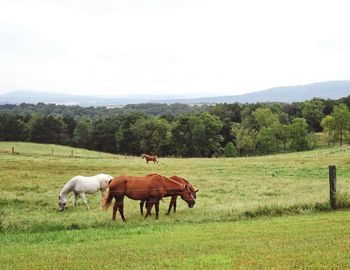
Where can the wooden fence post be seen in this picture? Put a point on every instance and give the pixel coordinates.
(332, 186)
(13, 149)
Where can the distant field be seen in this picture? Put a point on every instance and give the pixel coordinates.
(229, 189)
(50, 150)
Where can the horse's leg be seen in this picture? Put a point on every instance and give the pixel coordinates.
(149, 205)
(115, 209)
(173, 198)
(174, 203)
(75, 198)
(156, 205)
(121, 208)
(103, 192)
(84, 199)
(142, 203)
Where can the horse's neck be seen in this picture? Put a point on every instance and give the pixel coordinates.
(67, 188)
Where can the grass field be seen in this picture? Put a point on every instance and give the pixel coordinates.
(217, 233)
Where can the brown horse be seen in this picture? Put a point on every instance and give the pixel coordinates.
(150, 188)
(172, 203)
(150, 158)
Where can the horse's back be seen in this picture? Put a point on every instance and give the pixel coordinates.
(137, 187)
(86, 184)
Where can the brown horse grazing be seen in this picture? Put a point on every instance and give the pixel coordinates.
(150, 158)
(172, 203)
(150, 188)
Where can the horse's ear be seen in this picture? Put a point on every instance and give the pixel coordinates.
(196, 190)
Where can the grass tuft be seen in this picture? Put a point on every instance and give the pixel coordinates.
(342, 200)
(274, 211)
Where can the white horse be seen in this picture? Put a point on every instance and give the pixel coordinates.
(81, 185)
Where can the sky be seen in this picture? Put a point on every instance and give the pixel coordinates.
(185, 48)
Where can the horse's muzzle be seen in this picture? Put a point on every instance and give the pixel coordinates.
(191, 204)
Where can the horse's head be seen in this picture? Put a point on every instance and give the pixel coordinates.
(186, 183)
(62, 202)
(143, 155)
(194, 191)
(187, 196)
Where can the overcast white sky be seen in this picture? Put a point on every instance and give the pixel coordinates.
(185, 48)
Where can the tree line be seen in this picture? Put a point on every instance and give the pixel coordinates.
(179, 129)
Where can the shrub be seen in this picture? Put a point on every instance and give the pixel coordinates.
(230, 150)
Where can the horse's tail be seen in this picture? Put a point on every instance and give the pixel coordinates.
(106, 201)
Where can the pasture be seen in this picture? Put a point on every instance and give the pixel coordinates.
(217, 233)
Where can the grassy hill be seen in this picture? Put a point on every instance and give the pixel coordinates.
(231, 189)
(50, 150)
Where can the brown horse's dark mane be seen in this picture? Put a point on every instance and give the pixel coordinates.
(166, 178)
(181, 179)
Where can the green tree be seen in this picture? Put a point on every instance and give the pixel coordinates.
(69, 127)
(230, 150)
(282, 134)
(266, 140)
(12, 128)
(47, 129)
(182, 137)
(126, 140)
(205, 133)
(299, 135)
(245, 139)
(83, 133)
(328, 126)
(312, 111)
(264, 117)
(341, 117)
(152, 135)
(103, 134)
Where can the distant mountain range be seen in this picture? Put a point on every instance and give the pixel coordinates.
(331, 89)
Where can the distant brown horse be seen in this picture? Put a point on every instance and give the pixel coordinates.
(150, 158)
(150, 188)
(172, 203)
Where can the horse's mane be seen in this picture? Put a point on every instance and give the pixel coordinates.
(67, 187)
(166, 178)
(188, 183)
